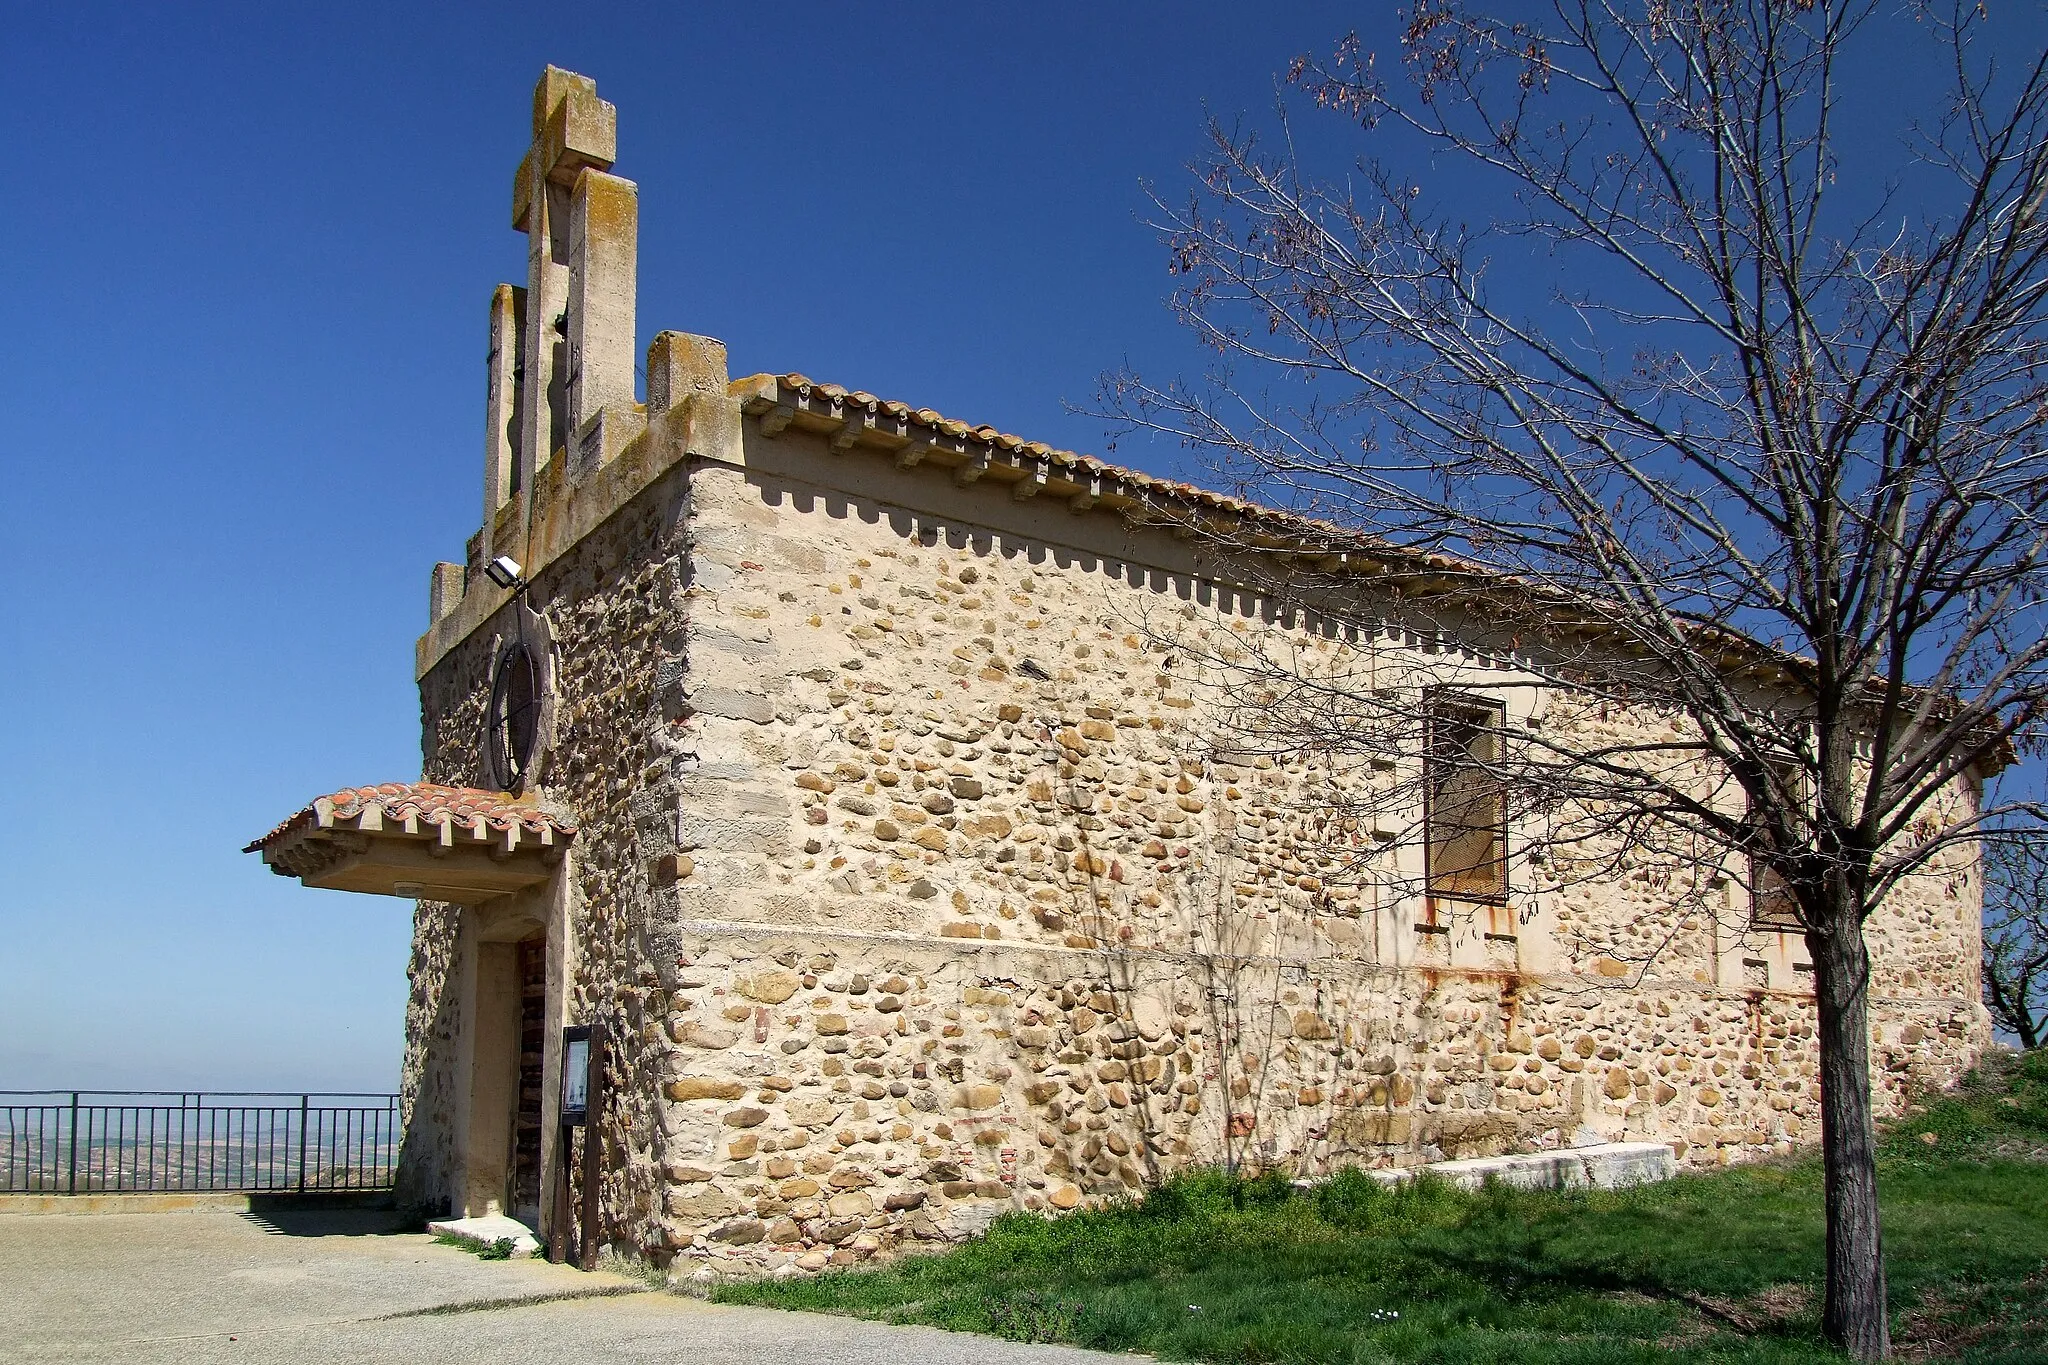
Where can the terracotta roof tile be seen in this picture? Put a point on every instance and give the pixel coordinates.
(469, 808)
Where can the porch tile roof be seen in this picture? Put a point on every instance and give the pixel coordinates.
(411, 805)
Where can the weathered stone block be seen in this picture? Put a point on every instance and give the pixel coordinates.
(705, 1088)
(770, 987)
(977, 1097)
(740, 1232)
(704, 1204)
(683, 1173)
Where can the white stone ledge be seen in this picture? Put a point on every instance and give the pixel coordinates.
(487, 1229)
(1604, 1166)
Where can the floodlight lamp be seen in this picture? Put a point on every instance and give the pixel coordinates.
(504, 571)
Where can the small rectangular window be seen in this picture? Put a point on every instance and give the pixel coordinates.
(1465, 801)
(1772, 908)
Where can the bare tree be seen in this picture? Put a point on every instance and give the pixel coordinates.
(1684, 419)
(2016, 933)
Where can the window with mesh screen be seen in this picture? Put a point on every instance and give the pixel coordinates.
(1772, 907)
(1465, 815)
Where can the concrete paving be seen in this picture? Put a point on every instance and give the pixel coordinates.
(342, 1285)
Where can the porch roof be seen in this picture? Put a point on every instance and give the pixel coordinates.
(420, 840)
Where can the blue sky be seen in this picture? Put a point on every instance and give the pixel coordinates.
(249, 254)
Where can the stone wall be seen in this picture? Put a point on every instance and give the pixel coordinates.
(921, 879)
(616, 608)
(428, 1076)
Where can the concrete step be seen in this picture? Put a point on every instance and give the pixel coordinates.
(487, 1230)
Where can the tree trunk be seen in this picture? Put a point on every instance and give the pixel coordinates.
(1854, 1317)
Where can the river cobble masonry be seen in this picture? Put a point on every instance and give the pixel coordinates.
(870, 778)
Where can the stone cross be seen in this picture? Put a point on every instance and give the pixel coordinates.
(562, 348)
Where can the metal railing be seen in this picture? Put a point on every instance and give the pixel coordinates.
(149, 1141)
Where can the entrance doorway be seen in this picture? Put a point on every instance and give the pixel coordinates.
(522, 1195)
(499, 1137)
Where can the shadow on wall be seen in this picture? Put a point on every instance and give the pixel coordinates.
(931, 530)
(425, 1158)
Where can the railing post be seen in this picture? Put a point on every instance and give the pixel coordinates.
(303, 1101)
(71, 1155)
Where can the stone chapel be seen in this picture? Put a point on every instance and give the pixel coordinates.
(815, 751)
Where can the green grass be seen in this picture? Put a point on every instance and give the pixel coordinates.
(1714, 1267)
(500, 1249)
